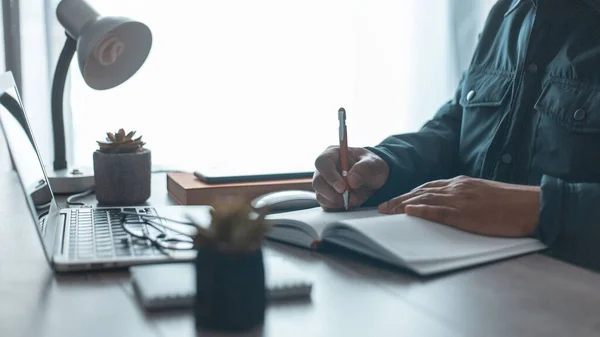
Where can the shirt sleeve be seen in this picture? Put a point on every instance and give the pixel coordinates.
(429, 154)
(570, 221)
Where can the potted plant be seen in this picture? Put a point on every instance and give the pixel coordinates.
(230, 276)
(122, 170)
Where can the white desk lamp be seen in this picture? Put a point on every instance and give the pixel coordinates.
(109, 51)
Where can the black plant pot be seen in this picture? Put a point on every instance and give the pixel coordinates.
(230, 290)
(122, 178)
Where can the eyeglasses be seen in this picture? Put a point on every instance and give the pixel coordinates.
(157, 230)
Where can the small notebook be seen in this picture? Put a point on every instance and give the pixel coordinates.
(422, 246)
(172, 285)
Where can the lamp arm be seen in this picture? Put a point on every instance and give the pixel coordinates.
(57, 102)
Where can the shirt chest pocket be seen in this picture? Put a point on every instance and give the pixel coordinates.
(567, 141)
(483, 90)
(484, 99)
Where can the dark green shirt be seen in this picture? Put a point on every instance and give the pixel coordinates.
(526, 111)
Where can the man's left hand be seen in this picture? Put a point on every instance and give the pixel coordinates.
(474, 205)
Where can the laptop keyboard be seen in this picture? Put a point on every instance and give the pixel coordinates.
(97, 233)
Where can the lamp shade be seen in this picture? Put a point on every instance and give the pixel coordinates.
(109, 49)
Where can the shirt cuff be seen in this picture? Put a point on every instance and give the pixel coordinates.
(552, 212)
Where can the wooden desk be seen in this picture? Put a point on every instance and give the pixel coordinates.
(529, 296)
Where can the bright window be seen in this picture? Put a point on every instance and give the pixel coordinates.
(259, 82)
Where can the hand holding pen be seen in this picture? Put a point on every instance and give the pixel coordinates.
(366, 172)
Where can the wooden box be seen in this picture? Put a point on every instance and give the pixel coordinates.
(186, 189)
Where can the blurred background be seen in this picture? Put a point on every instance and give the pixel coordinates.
(247, 83)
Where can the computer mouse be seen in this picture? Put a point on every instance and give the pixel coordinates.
(287, 200)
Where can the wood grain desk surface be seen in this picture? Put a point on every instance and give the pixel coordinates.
(528, 296)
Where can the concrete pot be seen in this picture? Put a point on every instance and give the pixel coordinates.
(122, 178)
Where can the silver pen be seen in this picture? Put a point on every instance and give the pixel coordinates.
(344, 160)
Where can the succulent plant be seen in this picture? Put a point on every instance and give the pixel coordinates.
(235, 226)
(121, 142)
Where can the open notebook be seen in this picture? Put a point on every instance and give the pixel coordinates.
(420, 245)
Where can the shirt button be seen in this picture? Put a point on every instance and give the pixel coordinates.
(470, 95)
(579, 115)
(506, 158)
(532, 68)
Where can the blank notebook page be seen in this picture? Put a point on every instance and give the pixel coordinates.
(318, 219)
(415, 239)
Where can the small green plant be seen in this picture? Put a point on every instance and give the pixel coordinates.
(235, 226)
(121, 142)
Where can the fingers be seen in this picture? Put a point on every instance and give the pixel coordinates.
(434, 184)
(440, 214)
(392, 204)
(327, 182)
(398, 204)
(326, 165)
(432, 187)
(357, 198)
(358, 172)
(329, 205)
(369, 171)
(326, 191)
(331, 200)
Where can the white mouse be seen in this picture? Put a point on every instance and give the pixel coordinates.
(286, 200)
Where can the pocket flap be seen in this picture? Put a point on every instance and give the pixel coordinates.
(485, 89)
(573, 105)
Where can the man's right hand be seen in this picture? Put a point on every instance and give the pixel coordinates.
(368, 172)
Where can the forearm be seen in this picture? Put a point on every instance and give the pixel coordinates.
(416, 158)
(413, 162)
(570, 221)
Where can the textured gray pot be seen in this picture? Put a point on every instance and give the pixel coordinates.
(122, 178)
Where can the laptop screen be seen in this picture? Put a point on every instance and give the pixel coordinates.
(28, 163)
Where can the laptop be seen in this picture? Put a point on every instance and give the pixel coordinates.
(76, 239)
